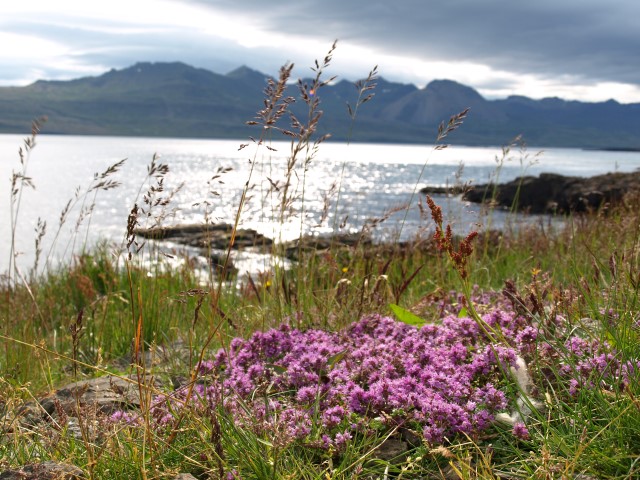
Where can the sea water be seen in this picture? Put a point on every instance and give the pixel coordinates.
(336, 188)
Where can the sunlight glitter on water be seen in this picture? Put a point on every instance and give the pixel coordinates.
(372, 179)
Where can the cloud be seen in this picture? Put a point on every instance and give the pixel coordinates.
(583, 49)
(591, 40)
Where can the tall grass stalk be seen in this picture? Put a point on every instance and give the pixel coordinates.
(20, 180)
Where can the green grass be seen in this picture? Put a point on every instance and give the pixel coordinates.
(97, 313)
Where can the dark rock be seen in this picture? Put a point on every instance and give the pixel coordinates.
(44, 471)
(222, 266)
(320, 243)
(27, 415)
(535, 194)
(553, 193)
(453, 190)
(392, 450)
(411, 437)
(212, 237)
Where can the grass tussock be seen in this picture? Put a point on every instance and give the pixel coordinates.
(500, 354)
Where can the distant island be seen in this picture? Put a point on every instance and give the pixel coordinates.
(177, 100)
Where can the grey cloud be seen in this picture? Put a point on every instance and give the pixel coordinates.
(585, 39)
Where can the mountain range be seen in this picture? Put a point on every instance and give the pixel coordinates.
(177, 100)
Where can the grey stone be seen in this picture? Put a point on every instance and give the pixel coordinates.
(27, 415)
(44, 471)
(105, 394)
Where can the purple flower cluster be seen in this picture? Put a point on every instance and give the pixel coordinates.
(126, 418)
(590, 364)
(323, 388)
(290, 383)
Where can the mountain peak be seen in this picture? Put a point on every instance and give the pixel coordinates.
(248, 75)
(451, 88)
(242, 70)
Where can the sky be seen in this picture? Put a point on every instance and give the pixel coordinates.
(586, 50)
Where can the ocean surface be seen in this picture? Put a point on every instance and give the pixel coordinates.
(338, 188)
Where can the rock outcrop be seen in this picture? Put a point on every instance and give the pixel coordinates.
(217, 238)
(206, 236)
(553, 193)
(315, 244)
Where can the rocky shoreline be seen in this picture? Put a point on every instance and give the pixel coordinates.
(550, 192)
(216, 238)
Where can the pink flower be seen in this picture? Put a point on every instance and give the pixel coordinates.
(520, 431)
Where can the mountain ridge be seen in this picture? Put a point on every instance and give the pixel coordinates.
(174, 99)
